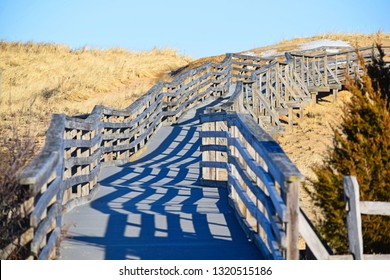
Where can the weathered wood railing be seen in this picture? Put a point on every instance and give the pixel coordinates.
(355, 208)
(66, 171)
(262, 181)
(264, 184)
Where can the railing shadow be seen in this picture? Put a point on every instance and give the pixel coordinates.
(156, 210)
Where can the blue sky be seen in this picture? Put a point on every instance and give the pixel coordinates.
(196, 28)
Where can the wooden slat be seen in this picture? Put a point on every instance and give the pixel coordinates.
(311, 238)
(51, 245)
(365, 257)
(259, 194)
(75, 180)
(276, 199)
(280, 166)
(69, 162)
(82, 143)
(354, 222)
(213, 164)
(256, 213)
(215, 117)
(36, 172)
(217, 134)
(44, 227)
(44, 200)
(375, 208)
(212, 147)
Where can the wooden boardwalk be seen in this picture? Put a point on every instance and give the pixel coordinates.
(154, 208)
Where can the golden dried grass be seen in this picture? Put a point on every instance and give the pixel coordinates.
(41, 79)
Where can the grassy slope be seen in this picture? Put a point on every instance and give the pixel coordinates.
(47, 78)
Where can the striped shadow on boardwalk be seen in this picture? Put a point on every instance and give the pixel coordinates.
(153, 208)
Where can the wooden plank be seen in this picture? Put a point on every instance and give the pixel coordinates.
(280, 166)
(44, 227)
(44, 200)
(212, 183)
(375, 208)
(69, 143)
(140, 139)
(259, 194)
(265, 178)
(75, 180)
(69, 162)
(51, 245)
(212, 164)
(135, 122)
(39, 170)
(213, 147)
(365, 257)
(377, 257)
(82, 124)
(292, 232)
(311, 238)
(263, 198)
(214, 117)
(354, 222)
(256, 213)
(218, 134)
(270, 110)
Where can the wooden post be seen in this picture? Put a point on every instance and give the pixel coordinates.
(347, 68)
(325, 70)
(334, 91)
(212, 154)
(354, 220)
(301, 111)
(292, 231)
(205, 154)
(313, 98)
(290, 119)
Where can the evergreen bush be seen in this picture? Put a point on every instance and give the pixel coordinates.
(361, 147)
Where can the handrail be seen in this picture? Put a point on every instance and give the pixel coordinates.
(265, 191)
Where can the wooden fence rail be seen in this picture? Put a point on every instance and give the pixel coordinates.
(262, 181)
(355, 208)
(65, 173)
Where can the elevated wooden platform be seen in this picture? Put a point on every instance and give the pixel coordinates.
(153, 208)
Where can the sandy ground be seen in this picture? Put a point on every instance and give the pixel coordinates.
(310, 140)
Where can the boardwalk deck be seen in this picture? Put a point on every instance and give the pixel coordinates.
(153, 208)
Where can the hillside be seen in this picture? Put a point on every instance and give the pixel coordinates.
(353, 40)
(38, 80)
(41, 79)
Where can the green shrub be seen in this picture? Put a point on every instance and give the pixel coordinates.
(361, 147)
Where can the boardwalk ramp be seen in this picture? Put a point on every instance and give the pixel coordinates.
(154, 208)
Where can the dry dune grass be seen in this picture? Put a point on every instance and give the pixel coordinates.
(41, 79)
(311, 139)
